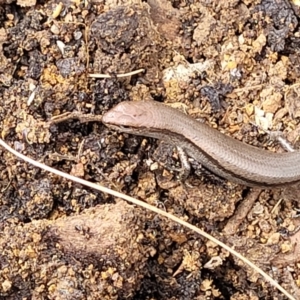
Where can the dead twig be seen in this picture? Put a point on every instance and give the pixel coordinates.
(118, 75)
(83, 118)
(241, 212)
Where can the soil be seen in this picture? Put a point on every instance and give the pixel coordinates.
(235, 64)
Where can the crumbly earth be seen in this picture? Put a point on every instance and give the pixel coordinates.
(233, 63)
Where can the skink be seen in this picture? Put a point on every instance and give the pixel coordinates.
(221, 154)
